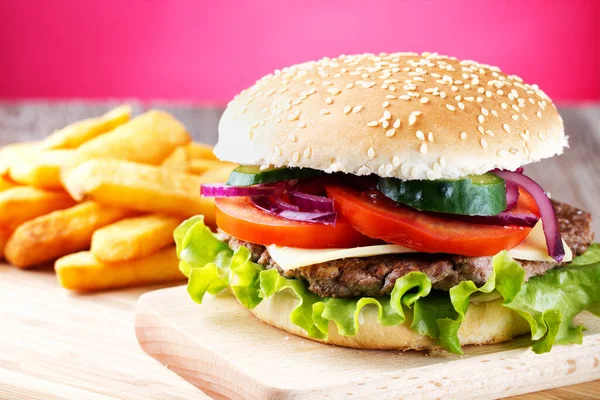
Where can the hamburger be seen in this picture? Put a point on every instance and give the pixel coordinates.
(381, 202)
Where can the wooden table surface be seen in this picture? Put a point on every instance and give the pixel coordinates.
(56, 345)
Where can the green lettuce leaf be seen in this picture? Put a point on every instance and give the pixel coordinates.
(548, 303)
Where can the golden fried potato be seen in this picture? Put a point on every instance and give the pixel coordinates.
(177, 161)
(83, 272)
(41, 170)
(202, 151)
(22, 203)
(133, 238)
(15, 151)
(147, 139)
(140, 187)
(59, 233)
(200, 167)
(4, 235)
(218, 174)
(74, 135)
(6, 183)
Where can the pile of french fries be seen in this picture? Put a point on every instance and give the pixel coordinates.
(101, 198)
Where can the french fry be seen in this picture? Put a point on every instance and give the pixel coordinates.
(197, 150)
(4, 235)
(83, 272)
(74, 135)
(218, 174)
(139, 187)
(41, 170)
(147, 139)
(6, 183)
(59, 233)
(177, 161)
(23, 203)
(200, 167)
(133, 238)
(15, 151)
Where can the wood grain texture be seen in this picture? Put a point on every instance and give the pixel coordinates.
(235, 356)
(55, 345)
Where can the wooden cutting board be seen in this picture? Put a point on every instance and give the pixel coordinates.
(226, 352)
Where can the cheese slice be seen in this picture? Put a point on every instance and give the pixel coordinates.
(533, 248)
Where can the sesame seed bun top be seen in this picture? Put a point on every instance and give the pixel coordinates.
(400, 115)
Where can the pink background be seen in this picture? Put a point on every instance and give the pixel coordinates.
(206, 51)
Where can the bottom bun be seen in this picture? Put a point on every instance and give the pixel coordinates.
(484, 323)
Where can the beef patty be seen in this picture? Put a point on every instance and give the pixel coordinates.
(376, 276)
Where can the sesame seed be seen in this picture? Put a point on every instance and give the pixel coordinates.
(308, 81)
(357, 109)
(414, 173)
(385, 124)
(390, 132)
(479, 99)
(420, 135)
(350, 86)
(250, 134)
(327, 83)
(390, 96)
(347, 109)
(397, 123)
(325, 112)
(396, 161)
(385, 104)
(461, 105)
(424, 100)
(454, 88)
(504, 106)
(443, 94)
(541, 135)
(287, 107)
(481, 130)
(430, 136)
(328, 100)
(484, 111)
(254, 125)
(333, 91)
(294, 116)
(301, 124)
(489, 132)
(514, 150)
(307, 152)
(506, 128)
(494, 113)
(450, 107)
(501, 153)
(470, 98)
(423, 148)
(515, 107)
(371, 152)
(404, 97)
(463, 135)
(481, 119)
(488, 93)
(295, 156)
(387, 114)
(515, 117)
(539, 114)
(373, 123)
(292, 137)
(483, 143)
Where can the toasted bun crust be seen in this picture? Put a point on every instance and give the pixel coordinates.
(399, 115)
(484, 323)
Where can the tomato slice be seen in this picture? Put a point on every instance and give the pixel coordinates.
(238, 217)
(376, 216)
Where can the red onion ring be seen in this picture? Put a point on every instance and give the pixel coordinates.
(549, 221)
(308, 201)
(218, 190)
(512, 195)
(265, 204)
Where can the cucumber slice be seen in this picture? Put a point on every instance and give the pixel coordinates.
(248, 175)
(474, 195)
